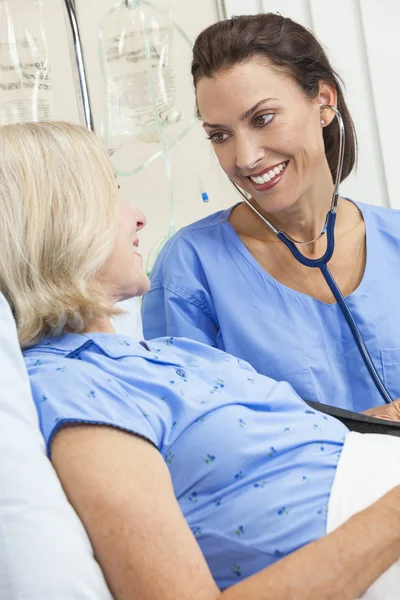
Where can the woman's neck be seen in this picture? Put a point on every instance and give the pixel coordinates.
(305, 219)
(100, 324)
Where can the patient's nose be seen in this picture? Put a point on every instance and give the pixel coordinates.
(140, 219)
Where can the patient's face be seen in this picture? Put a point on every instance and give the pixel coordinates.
(123, 274)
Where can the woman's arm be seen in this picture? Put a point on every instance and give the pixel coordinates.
(121, 489)
(166, 312)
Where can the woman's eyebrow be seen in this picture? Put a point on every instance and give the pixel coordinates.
(245, 115)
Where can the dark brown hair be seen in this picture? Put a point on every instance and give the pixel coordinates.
(293, 49)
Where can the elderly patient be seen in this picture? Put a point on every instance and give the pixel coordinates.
(191, 472)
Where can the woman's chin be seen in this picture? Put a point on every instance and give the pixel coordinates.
(141, 286)
(136, 290)
(274, 204)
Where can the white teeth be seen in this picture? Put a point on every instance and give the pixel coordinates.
(268, 176)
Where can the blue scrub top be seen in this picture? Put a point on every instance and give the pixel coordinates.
(251, 465)
(207, 286)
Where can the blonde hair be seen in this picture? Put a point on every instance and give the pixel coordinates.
(58, 224)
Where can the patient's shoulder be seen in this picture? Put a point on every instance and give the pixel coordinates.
(57, 357)
(73, 381)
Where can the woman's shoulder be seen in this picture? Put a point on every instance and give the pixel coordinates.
(57, 371)
(381, 212)
(209, 222)
(191, 248)
(204, 230)
(383, 219)
(83, 353)
(54, 351)
(70, 363)
(82, 379)
(51, 353)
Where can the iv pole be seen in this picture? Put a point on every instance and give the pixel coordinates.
(221, 10)
(83, 90)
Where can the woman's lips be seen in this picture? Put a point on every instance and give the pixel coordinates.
(273, 181)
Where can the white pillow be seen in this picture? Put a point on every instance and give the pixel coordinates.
(45, 553)
(129, 323)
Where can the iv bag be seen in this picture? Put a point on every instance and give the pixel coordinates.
(136, 42)
(25, 79)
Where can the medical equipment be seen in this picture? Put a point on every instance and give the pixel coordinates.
(81, 84)
(140, 82)
(322, 262)
(138, 43)
(25, 76)
(25, 72)
(143, 106)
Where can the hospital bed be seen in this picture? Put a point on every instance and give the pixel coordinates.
(45, 553)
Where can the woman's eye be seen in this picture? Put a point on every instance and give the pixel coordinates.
(262, 120)
(218, 137)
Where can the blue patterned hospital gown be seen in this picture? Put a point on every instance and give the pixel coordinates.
(252, 466)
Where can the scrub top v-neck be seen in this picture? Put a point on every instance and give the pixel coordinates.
(207, 286)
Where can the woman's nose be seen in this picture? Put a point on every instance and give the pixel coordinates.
(248, 153)
(140, 219)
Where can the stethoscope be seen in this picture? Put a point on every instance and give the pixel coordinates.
(322, 262)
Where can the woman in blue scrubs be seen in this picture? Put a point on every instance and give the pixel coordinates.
(227, 280)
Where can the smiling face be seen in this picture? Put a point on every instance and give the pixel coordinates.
(266, 134)
(123, 276)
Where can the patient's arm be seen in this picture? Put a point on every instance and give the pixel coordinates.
(121, 489)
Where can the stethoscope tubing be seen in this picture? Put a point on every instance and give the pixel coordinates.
(351, 322)
(322, 262)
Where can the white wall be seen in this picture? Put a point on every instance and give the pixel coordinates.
(364, 45)
(147, 189)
